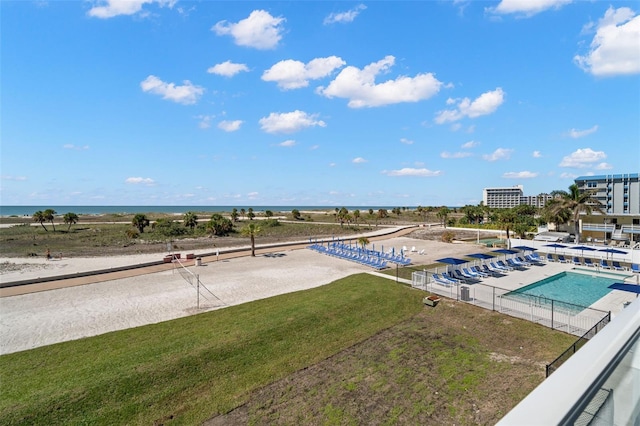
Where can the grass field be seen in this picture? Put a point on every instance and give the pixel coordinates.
(360, 347)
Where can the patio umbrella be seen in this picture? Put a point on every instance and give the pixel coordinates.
(525, 248)
(582, 249)
(451, 261)
(504, 251)
(555, 246)
(612, 251)
(633, 288)
(480, 256)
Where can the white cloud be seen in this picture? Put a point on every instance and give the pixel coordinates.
(527, 7)
(604, 166)
(260, 30)
(358, 85)
(520, 175)
(575, 133)
(615, 48)
(77, 148)
(498, 154)
(344, 17)
(111, 8)
(230, 126)
(487, 103)
(186, 94)
(289, 122)
(406, 141)
(446, 154)
(409, 171)
(568, 175)
(252, 195)
(14, 178)
(470, 144)
(536, 154)
(205, 121)
(140, 180)
(227, 69)
(332, 164)
(582, 158)
(358, 160)
(290, 74)
(314, 147)
(288, 143)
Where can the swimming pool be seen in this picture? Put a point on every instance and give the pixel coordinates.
(568, 287)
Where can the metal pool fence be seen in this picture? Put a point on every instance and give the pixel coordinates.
(572, 319)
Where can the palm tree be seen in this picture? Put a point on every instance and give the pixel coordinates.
(268, 214)
(219, 225)
(190, 220)
(295, 213)
(234, 214)
(70, 219)
(242, 212)
(507, 220)
(140, 221)
(251, 230)
(576, 202)
(442, 214)
(49, 215)
(356, 215)
(251, 214)
(40, 218)
(363, 241)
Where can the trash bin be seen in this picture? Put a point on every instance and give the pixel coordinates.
(464, 293)
(198, 261)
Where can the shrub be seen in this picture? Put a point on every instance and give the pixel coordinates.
(132, 233)
(270, 223)
(448, 236)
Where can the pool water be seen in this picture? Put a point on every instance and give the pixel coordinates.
(568, 287)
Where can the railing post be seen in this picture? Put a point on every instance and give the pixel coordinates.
(552, 310)
(493, 299)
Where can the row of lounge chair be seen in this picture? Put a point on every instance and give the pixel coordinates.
(473, 274)
(375, 259)
(576, 260)
(352, 255)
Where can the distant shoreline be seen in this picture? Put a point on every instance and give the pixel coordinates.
(28, 211)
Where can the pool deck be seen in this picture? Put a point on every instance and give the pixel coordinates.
(612, 302)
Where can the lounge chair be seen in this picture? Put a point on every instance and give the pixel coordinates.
(535, 256)
(550, 258)
(501, 267)
(522, 260)
(576, 261)
(589, 263)
(421, 251)
(512, 263)
(635, 268)
(617, 266)
(562, 259)
(461, 277)
(441, 280)
(480, 272)
(534, 260)
(495, 272)
(470, 272)
(604, 264)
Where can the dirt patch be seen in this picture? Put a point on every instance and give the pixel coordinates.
(454, 364)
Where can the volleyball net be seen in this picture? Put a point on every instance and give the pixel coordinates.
(194, 281)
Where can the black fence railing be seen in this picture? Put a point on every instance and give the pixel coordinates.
(555, 364)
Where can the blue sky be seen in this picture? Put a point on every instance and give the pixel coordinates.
(238, 103)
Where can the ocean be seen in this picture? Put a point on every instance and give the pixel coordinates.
(6, 211)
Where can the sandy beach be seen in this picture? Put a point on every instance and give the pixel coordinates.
(42, 318)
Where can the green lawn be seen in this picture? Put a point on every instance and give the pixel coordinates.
(187, 370)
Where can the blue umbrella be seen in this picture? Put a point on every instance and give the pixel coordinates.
(612, 251)
(582, 248)
(480, 256)
(555, 246)
(504, 251)
(451, 261)
(525, 248)
(633, 288)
